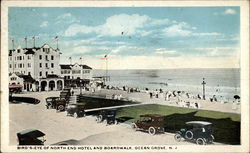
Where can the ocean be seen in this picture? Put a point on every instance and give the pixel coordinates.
(219, 82)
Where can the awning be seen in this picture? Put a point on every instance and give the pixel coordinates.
(15, 86)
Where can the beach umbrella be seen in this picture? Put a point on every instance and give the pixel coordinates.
(236, 97)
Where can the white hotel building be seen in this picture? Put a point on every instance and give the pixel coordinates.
(39, 69)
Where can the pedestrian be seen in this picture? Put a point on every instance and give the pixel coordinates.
(151, 95)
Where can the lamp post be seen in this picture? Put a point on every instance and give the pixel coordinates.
(203, 88)
(80, 87)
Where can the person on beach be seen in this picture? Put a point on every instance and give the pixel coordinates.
(166, 96)
(151, 95)
(198, 96)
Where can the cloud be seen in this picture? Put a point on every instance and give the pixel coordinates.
(44, 24)
(180, 29)
(63, 16)
(207, 34)
(165, 51)
(117, 25)
(66, 18)
(230, 11)
(126, 48)
(226, 12)
(219, 51)
(44, 14)
(114, 26)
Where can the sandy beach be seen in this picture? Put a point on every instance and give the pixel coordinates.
(58, 127)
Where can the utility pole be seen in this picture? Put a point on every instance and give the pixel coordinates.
(203, 87)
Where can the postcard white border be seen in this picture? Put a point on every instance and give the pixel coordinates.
(244, 26)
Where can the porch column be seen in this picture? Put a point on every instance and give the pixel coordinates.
(55, 85)
(39, 86)
(47, 87)
(62, 83)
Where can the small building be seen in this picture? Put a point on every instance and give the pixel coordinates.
(26, 82)
(75, 74)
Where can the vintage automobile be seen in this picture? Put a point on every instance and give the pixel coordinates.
(75, 109)
(61, 105)
(107, 116)
(51, 102)
(153, 123)
(31, 137)
(199, 132)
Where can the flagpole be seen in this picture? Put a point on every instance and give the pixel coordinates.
(34, 42)
(13, 44)
(106, 69)
(25, 41)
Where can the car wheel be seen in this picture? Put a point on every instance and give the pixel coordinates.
(211, 140)
(49, 105)
(134, 127)
(60, 108)
(152, 131)
(189, 135)
(177, 137)
(99, 118)
(200, 141)
(105, 122)
(75, 115)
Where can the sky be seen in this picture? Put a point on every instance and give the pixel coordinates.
(133, 37)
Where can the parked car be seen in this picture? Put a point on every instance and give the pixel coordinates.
(76, 110)
(152, 123)
(107, 116)
(60, 104)
(31, 137)
(199, 132)
(51, 102)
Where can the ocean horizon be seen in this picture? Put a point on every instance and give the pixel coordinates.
(221, 82)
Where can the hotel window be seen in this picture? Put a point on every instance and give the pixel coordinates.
(41, 73)
(52, 57)
(40, 57)
(52, 65)
(41, 65)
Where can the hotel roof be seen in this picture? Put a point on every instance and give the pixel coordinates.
(69, 66)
